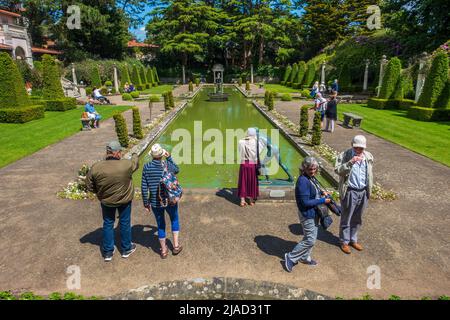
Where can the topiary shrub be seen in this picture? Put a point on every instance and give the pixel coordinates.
(96, 81)
(191, 86)
(405, 104)
(121, 129)
(316, 130)
(137, 126)
(171, 99)
(293, 75)
(150, 77)
(287, 74)
(136, 78)
(305, 93)
(286, 97)
(304, 121)
(247, 86)
(89, 91)
(143, 75)
(270, 101)
(166, 101)
(155, 98)
(266, 97)
(443, 102)
(108, 83)
(435, 81)
(240, 82)
(155, 74)
(197, 82)
(390, 78)
(52, 88)
(300, 74)
(421, 113)
(376, 103)
(12, 87)
(135, 94)
(310, 74)
(60, 104)
(127, 97)
(124, 75)
(21, 114)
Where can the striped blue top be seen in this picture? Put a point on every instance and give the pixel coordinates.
(151, 177)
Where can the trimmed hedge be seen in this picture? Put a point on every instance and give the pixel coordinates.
(124, 76)
(316, 137)
(435, 81)
(310, 74)
(127, 97)
(287, 74)
(171, 99)
(166, 101)
(293, 75)
(405, 104)
(52, 88)
(390, 78)
(376, 103)
(137, 126)
(305, 93)
(135, 94)
(143, 75)
(240, 82)
(197, 82)
(121, 129)
(21, 114)
(286, 97)
(60, 104)
(155, 74)
(443, 102)
(155, 98)
(300, 74)
(421, 113)
(191, 86)
(12, 87)
(96, 81)
(304, 121)
(247, 86)
(136, 78)
(270, 101)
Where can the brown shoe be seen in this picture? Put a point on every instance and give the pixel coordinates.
(346, 248)
(164, 254)
(177, 250)
(357, 246)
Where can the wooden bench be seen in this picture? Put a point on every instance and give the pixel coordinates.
(356, 120)
(86, 123)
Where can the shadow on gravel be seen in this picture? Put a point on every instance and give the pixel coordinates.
(322, 235)
(274, 246)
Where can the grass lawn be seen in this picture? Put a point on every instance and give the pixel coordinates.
(20, 140)
(158, 90)
(431, 139)
(280, 89)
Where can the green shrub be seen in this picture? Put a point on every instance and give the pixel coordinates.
(317, 130)
(345, 79)
(171, 99)
(420, 113)
(240, 82)
(140, 87)
(155, 74)
(60, 104)
(197, 82)
(21, 114)
(124, 75)
(288, 84)
(137, 126)
(6, 295)
(300, 74)
(143, 75)
(405, 104)
(247, 86)
(52, 88)
(191, 86)
(393, 104)
(435, 81)
(155, 98)
(55, 296)
(304, 121)
(150, 77)
(12, 87)
(270, 101)
(443, 101)
(30, 296)
(310, 74)
(127, 97)
(103, 91)
(166, 101)
(394, 297)
(286, 97)
(305, 93)
(287, 74)
(136, 78)
(96, 81)
(89, 91)
(444, 298)
(398, 91)
(135, 94)
(108, 83)
(293, 75)
(390, 78)
(376, 103)
(266, 97)
(441, 115)
(121, 129)
(283, 83)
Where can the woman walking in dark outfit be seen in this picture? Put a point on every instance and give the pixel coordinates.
(331, 112)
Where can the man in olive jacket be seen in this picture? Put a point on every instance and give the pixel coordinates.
(111, 180)
(354, 168)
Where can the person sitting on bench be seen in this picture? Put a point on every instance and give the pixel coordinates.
(92, 114)
(98, 96)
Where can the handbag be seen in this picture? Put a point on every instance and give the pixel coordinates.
(333, 206)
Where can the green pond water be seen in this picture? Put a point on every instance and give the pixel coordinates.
(193, 145)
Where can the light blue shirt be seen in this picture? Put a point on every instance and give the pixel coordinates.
(358, 174)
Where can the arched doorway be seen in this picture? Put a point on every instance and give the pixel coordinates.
(19, 53)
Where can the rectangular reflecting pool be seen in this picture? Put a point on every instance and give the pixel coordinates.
(203, 140)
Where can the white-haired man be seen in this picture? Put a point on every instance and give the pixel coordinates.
(354, 168)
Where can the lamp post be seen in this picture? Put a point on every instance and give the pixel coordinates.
(421, 76)
(74, 75)
(366, 75)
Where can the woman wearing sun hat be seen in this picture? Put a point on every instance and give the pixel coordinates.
(151, 178)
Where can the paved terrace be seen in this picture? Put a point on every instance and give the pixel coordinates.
(41, 235)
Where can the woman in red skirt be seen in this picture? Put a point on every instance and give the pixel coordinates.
(248, 176)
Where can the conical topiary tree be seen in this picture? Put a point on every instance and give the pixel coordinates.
(136, 77)
(240, 81)
(304, 121)
(300, 74)
(310, 74)
(293, 74)
(150, 77)
(390, 78)
(287, 74)
(443, 102)
(121, 129)
(317, 130)
(155, 75)
(435, 81)
(270, 102)
(171, 99)
(124, 75)
(266, 97)
(166, 101)
(191, 86)
(137, 126)
(52, 88)
(143, 75)
(96, 80)
(12, 87)
(247, 86)
(398, 91)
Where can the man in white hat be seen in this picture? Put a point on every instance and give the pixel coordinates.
(354, 168)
